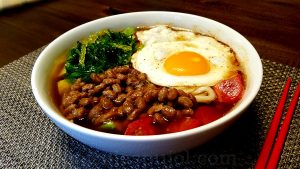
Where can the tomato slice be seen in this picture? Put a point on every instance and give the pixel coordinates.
(142, 126)
(207, 114)
(182, 124)
(230, 90)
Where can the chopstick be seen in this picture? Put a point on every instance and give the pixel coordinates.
(272, 162)
(265, 151)
(275, 155)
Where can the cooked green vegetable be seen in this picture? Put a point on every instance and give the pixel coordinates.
(110, 125)
(99, 52)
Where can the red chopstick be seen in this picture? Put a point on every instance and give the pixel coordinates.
(275, 155)
(264, 161)
(265, 151)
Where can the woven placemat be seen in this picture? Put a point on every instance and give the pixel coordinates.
(28, 139)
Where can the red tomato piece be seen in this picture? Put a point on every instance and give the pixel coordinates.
(142, 126)
(230, 90)
(207, 114)
(182, 124)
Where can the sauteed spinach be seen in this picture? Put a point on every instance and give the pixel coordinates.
(99, 52)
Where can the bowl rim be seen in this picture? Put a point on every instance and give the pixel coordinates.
(61, 120)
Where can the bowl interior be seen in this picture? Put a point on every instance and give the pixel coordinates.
(246, 54)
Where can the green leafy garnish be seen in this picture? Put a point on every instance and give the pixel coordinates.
(99, 52)
(110, 125)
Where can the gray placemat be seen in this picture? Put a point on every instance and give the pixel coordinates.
(28, 139)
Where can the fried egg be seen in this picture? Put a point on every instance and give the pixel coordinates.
(181, 58)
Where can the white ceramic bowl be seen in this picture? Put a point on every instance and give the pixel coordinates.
(156, 144)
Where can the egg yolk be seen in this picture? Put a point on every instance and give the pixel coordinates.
(186, 64)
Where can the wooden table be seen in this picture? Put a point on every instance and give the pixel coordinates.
(272, 26)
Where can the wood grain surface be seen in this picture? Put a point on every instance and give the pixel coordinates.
(272, 26)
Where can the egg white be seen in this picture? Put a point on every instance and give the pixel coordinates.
(162, 42)
(164, 33)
